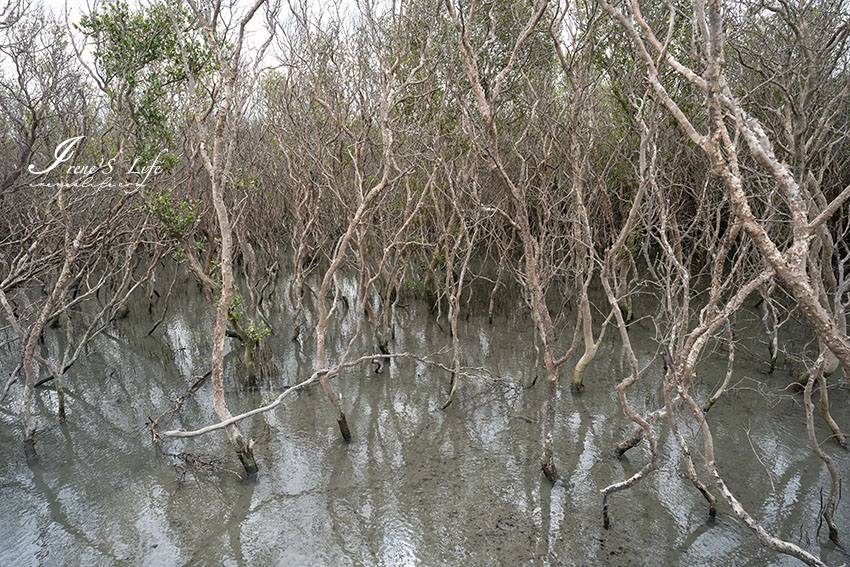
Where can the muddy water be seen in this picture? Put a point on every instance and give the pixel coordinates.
(417, 485)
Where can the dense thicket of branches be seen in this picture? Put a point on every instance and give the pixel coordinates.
(697, 152)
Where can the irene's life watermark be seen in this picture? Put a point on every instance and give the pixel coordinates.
(94, 176)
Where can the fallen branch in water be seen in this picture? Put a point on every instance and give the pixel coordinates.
(313, 378)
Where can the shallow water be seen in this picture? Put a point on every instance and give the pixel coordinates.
(417, 485)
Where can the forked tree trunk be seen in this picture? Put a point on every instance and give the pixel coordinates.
(218, 167)
(530, 247)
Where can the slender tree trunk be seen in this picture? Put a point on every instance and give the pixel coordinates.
(530, 247)
(218, 167)
(71, 251)
(242, 447)
(321, 326)
(590, 346)
(827, 416)
(829, 507)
